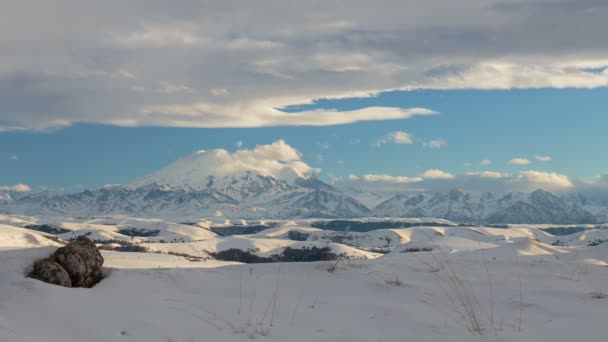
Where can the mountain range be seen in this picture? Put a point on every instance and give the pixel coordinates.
(195, 187)
(260, 197)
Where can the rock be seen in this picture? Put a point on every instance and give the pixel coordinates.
(78, 264)
(51, 272)
(82, 260)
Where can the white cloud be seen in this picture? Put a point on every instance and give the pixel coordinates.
(161, 36)
(219, 91)
(519, 161)
(437, 174)
(13, 157)
(397, 137)
(489, 174)
(435, 144)
(512, 75)
(238, 144)
(385, 178)
(485, 162)
(126, 74)
(543, 180)
(277, 55)
(487, 181)
(596, 189)
(381, 183)
(16, 187)
(324, 145)
(544, 158)
(260, 114)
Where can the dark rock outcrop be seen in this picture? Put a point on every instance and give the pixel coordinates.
(78, 264)
(51, 272)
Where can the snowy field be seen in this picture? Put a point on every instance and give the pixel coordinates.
(421, 283)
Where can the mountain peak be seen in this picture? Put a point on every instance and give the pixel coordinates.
(219, 168)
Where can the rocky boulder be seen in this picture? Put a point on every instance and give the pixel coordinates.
(78, 264)
(51, 272)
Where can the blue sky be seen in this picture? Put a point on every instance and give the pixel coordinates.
(568, 125)
(106, 92)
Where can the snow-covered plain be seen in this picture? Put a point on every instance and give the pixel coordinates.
(476, 284)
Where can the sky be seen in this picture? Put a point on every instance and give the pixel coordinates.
(385, 93)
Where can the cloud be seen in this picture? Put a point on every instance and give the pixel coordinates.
(16, 187)
(519, 161)
(435, 144)
(437, 174)
(260, 114)
(544, 158)
(491, 75)
(222, 74)
(279, 160)
(161, 36)
(485, 162)
(596, 189)
(13, 158)
(238, 144)
(477, 182)
(379, 182)
(543, 180)
(219, 91)
(489, 174)
(397, 137)
(385, 178)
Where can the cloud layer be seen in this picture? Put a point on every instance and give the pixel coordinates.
(235, 64)
(487, 181)
(16, 188)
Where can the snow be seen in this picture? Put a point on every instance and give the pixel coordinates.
(15, 238)
(198, 192)
(110, 229)
(260, 247)
(131, 260)
(525, 288)
(220, 167)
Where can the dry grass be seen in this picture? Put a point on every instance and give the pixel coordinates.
(333, 266)
(473, 311)
(461, 295)
(394, 282)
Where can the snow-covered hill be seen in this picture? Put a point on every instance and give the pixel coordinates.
(524, 283)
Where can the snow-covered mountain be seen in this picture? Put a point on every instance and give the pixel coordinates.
(537, 207)
(305, 198)
(5, 196)
(596, 205)
(241, 175)
(540, 206)
(274, 184)
(245, 196)
(10, 195)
